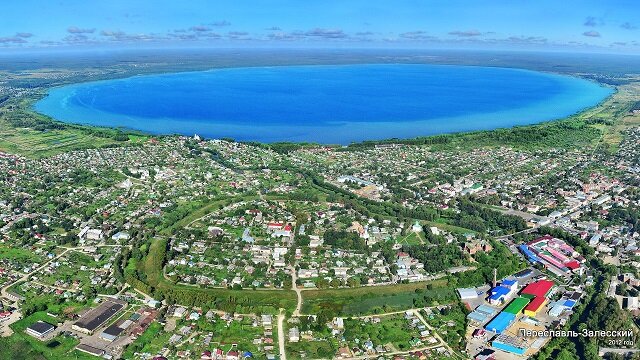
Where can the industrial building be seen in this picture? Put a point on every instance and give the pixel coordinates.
(516, 306)
(510, 344)
(540, 288)
(467, 293)
(501, 322)
(534, 306)
(537, 292)
(40, 329)
(112, 332)
(482, 313)
(553, 253)
(501, 293)
(97, 317)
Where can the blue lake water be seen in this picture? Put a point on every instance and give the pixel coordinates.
(326, 104)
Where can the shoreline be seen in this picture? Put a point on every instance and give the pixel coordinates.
(31, 107)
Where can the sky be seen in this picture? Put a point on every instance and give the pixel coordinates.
(553, 25)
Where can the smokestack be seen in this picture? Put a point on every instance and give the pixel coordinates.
(495, 274)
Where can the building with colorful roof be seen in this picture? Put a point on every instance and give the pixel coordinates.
(516, 306)
(550, 251)
(534, 306)
(540, 288)
(501, 322)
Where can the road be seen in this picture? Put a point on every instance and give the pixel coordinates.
(283, 352)
(294, 287)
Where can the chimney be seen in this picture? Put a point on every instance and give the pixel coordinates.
(495, 274)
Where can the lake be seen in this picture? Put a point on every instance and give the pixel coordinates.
(324, 103)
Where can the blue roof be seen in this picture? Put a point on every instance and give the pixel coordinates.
(478, 316)
(508, 347)
(484, 308)
(501, 322)
(509, 282)
(529, 254)
(498, 292)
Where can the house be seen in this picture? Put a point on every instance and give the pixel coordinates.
(275, 226)
(120, 236)
(267, 321)
(93, 234)
(179, 311)
(343, 352)
(294, 335)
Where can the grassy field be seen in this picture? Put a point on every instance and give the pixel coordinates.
(371, 299)
(37, 144)
(450, 323)
(312, 349)
(617, 107)
(204, 210)
(392, 329)
(20, 135)
(21, 256)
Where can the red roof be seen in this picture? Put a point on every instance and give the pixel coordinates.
(572, 265)
(539, 288)
(546, 237)
(536, 304)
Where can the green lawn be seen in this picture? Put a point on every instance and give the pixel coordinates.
(311, 349)
(371, 299)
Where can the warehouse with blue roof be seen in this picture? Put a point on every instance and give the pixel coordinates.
(510, 344)
(482, 313)
(501, 322)
(533, 258)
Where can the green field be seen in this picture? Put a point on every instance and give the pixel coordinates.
(25, 132)
(373, 299)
